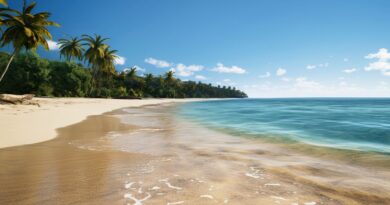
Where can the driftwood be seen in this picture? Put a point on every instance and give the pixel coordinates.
(16, 99)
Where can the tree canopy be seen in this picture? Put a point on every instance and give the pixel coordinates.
(31, 74)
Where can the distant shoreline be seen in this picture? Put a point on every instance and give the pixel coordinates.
(29, 124)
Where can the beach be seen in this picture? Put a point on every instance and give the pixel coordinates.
(149, 155)
(27, 124)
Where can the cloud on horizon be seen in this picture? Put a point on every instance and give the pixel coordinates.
(266, 75)
(185, 71)
(381, 64)
(119, 60)
(321, 65)
(220, 68)
(157, 63)
(200, 77)
(281, 72)
(53, 45)
(351, 70)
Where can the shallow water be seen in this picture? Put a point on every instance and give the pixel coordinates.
(348, 123)
(153, 156)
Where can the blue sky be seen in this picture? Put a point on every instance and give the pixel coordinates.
(268, 48)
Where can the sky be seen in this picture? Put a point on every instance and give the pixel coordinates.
(267, 48)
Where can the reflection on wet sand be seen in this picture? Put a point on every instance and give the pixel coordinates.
(154, 157)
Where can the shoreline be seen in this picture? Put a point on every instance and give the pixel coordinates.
(144, 154)
(29, 124)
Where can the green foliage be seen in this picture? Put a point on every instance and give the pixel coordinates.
(25, 29)
(31, 74)
(71, 48)
(28, 74)
(69, 79)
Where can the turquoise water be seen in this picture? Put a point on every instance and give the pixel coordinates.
(346, 123)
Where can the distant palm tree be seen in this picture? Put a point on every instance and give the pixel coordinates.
(95, 49)
(24, 30)
(132, 72)
(71, 48)
(107, 62)
(94, 54)
(149, 77)
(169, 76)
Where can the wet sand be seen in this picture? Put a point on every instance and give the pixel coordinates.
(150, 156)
(28, 124)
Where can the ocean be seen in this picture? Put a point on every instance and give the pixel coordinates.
(361, 124)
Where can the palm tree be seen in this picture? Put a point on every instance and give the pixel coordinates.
(71, 48)
(24, 30)
(107, 62)
(4, 2)
(95, 50)
(148, 78)
(132, 73)
(169, 76)
(94, 53)
(170, 84)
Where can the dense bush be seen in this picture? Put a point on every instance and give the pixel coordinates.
(31, 74)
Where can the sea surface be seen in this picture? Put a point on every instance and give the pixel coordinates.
(361, 124)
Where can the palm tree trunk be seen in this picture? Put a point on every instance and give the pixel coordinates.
(8, 64)
(94, 71)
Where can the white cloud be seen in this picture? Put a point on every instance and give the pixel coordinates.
(266, 75)
(220, 68)
(311, 67)
(53, 46)
(382, 64)
(382, 55)
(286, 79)
(119, 60)
(351, 70)
(158, 63)
(138, 68)
(226, 80)
(303, 82)
(200, 77)
(321, 65)
(185, 71)
(281, 72)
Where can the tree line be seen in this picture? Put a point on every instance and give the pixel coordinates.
(88, 69)
(31, 74)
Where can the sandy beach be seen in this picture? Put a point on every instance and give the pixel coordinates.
(148, 155)
(27, 124)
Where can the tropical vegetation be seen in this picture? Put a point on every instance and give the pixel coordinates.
(87, 69)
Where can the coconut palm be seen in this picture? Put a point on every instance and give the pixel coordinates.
(132, 73)
(95, 49)
(71, 48)
(24, 30)
(4, 2)
(107, 62)
(94, 53)
(169, 76)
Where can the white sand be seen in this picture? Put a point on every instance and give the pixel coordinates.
(27, 124)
